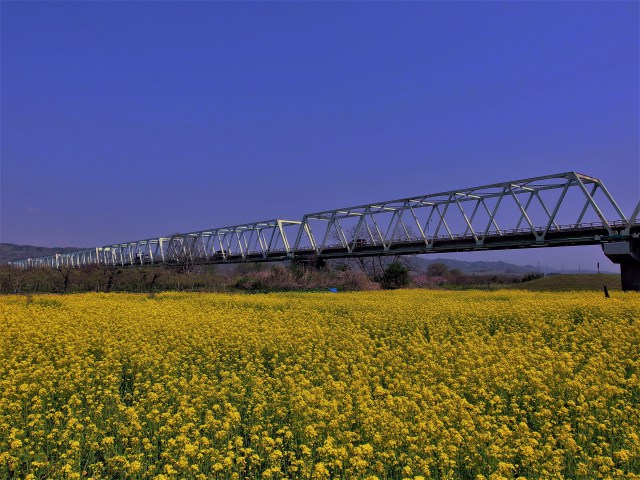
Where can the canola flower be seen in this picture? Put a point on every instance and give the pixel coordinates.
(395, 384)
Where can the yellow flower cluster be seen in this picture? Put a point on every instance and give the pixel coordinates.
(394, 384)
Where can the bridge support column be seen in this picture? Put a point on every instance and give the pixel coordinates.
(627, 254)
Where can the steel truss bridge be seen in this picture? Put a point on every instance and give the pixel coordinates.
(554, 210)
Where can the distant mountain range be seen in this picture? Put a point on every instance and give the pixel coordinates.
(421, 264)
(474, 267)
(11, 251)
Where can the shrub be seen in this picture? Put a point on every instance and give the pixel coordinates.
(531, 276)
(396, 275)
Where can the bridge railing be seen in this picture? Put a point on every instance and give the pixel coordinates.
(588, 226)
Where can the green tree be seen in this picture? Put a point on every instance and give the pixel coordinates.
(396, 275)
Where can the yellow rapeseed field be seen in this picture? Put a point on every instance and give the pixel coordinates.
(394, 384)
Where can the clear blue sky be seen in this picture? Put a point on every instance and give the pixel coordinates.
(126, 120)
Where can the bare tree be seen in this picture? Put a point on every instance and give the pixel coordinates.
(374, 266)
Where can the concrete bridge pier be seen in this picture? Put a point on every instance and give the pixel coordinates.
(627, 254)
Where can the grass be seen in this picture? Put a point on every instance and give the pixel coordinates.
(561, 283)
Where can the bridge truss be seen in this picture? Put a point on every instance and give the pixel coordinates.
(554, 210)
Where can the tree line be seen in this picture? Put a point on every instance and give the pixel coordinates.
(355, 275)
